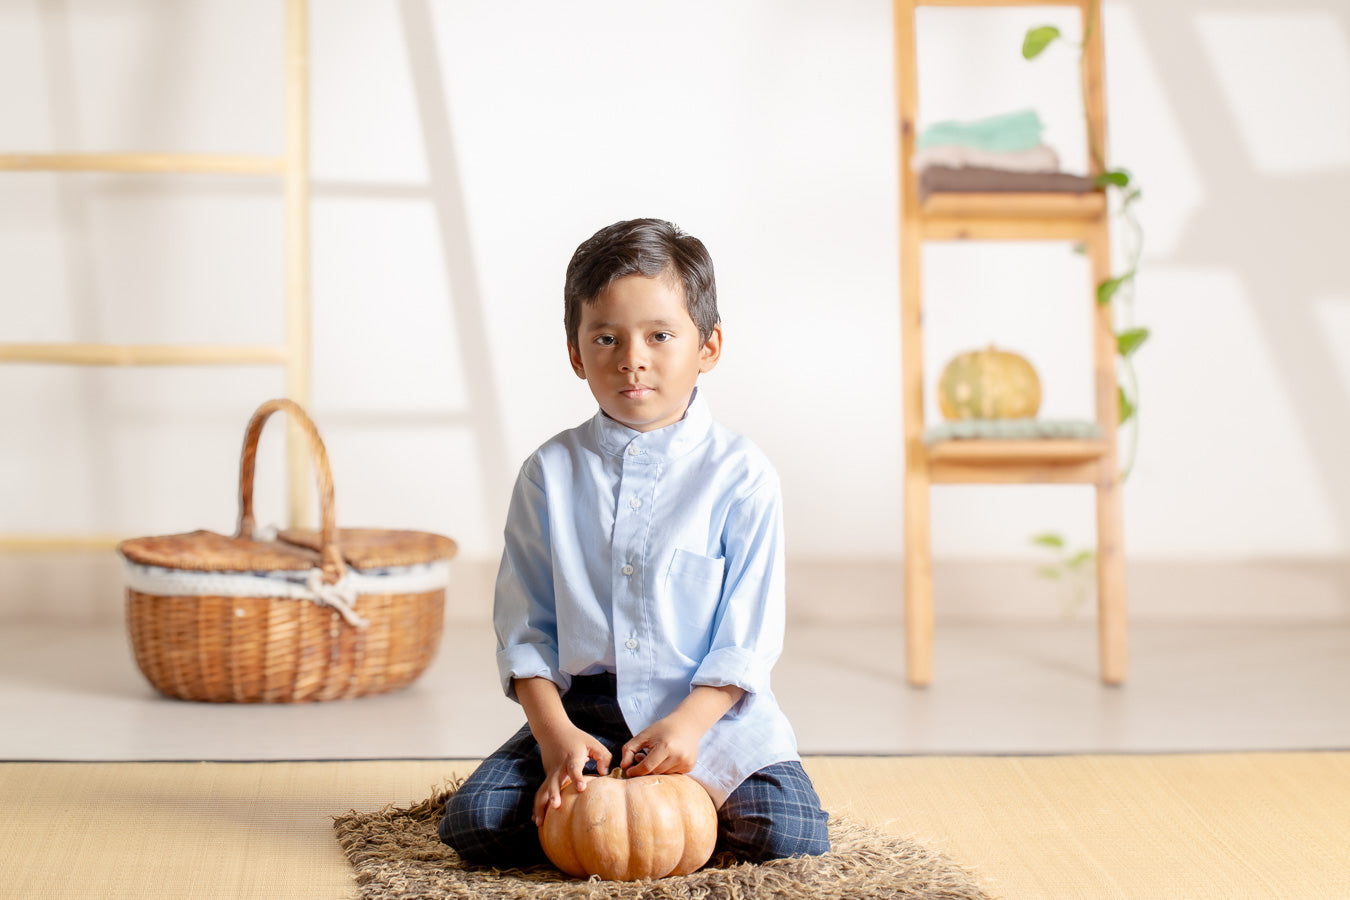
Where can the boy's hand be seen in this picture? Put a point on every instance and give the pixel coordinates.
(670, 745)
(565, 747)
(667, 746)
(565, 755)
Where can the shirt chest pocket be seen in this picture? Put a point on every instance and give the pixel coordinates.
(693, 589)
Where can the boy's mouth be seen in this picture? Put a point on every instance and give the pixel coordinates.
(636, 391)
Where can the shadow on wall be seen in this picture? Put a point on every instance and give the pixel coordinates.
(447, 195)
(445, 190)
(1289, 253)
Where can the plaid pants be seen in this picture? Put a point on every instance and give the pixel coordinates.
(774, 813)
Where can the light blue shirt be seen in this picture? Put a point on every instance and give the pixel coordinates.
(657, 556)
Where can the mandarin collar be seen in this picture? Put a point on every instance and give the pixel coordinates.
(673, 440)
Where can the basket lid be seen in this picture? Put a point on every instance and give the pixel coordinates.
(207, 551)
(374, 548)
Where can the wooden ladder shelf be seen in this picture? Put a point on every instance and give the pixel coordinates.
(1006, 216)
(291, 167)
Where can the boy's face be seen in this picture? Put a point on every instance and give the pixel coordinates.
(640, 352)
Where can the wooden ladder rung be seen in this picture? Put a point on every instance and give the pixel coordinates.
(145, 163)
(1014, 205)
(146, 354)
(949, 216)
(995, 451)
(58, 543)
(1016, 461)
(999, 2)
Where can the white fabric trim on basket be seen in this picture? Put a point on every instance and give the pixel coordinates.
(303, 585)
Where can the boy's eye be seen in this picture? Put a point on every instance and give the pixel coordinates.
(605, 340)
(662, 336)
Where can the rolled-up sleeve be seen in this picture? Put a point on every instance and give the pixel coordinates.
(748, 630)
(524, 615)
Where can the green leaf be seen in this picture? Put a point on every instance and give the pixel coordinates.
(1050, 572)
(1131, 340)
(1037, 40)
(1127, 408)
(1049, 539)
(1079, 559)
(1107, 289)
(1114, 178)
(1080, 248)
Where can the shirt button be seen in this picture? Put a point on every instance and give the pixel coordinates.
(635, 502)
(627, 570)
(634, 450)
(631, 644)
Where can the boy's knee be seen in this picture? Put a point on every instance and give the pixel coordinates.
(484, 827)
(807, 838)
(462, 822)
(763, 837)
(775, 816)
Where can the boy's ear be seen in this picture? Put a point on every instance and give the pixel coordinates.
(575, 357)
(711, 351)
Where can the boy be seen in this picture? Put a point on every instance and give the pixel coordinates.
(639, 605)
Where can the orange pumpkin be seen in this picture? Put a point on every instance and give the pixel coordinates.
(624, 829)
(989, 384)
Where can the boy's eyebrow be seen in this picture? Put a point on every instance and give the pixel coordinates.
(649, 323)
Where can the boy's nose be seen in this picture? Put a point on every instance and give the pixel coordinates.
(633, 360)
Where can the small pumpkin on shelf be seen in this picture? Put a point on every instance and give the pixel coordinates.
(626, 829)
(989, 384)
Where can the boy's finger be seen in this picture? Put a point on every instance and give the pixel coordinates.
(644, 762)
(576, 771)
(602, 758)
(541, 802)
(634, 750)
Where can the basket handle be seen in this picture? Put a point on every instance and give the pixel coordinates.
(329, 553)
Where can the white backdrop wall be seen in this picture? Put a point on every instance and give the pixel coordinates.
(462, 149)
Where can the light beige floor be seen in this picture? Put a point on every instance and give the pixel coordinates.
(1138, 827)
(71, 693)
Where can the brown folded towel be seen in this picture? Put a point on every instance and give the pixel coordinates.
(974, 179)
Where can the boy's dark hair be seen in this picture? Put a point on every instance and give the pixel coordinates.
(648, 247)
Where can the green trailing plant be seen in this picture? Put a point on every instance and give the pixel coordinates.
(1117, 293)
(1073, 568)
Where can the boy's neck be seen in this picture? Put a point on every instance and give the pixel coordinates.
(683, 414)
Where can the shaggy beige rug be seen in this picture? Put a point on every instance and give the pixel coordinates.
(398, 856)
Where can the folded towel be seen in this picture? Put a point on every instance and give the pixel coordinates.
(1007, 132)
(936, 179)
(1011, 430)
(957, 156)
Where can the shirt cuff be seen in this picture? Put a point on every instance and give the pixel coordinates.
(529, 661)
(734, 666)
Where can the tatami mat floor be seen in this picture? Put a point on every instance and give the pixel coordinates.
(73, 693)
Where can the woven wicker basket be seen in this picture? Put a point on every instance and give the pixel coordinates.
(323, 615)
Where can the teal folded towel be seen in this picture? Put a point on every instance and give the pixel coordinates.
(1009, 132)
(1012, 430)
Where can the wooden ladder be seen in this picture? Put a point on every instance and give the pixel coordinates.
(1006, 217)
(292, 168)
